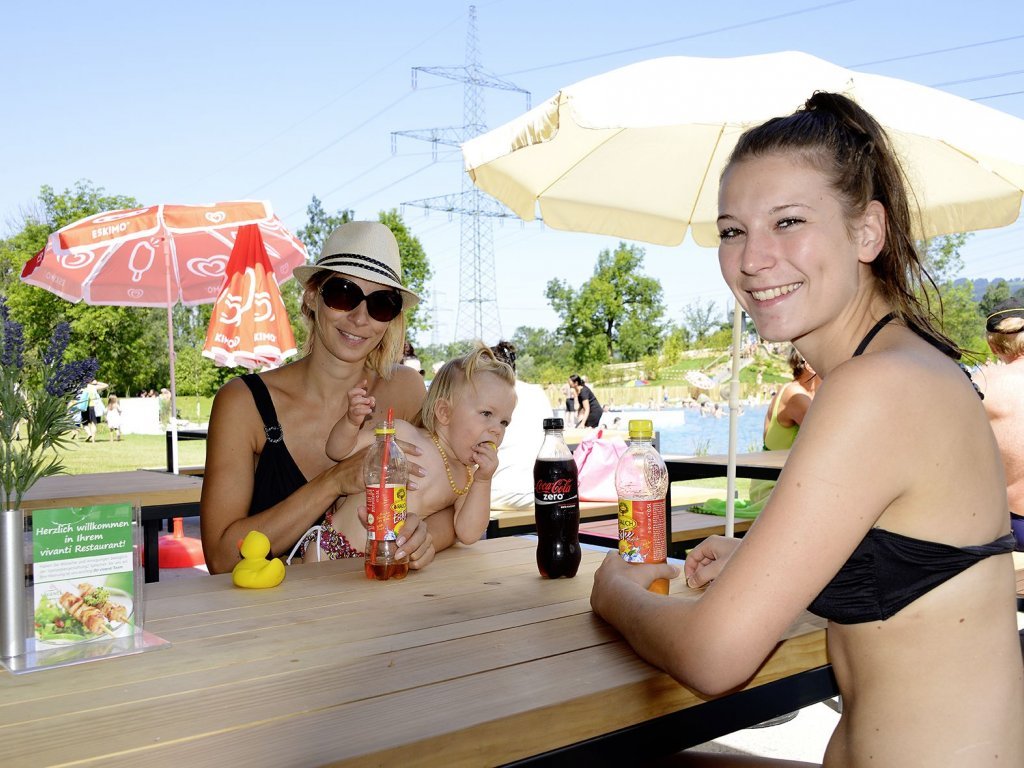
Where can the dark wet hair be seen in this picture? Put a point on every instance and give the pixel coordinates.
(575, 379)
(836, 136)
(796, 362)
(505, 351)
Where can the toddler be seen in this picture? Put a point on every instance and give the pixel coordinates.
(463, 420)
(113, 417)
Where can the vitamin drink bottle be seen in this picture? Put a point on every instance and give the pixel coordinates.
(385, 473)
(556, 504)
(641, 482)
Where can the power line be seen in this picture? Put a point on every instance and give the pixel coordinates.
(935, 52)
(693, 36)
(976, 79)
(997, 95)
(327, 146)
(330, 103)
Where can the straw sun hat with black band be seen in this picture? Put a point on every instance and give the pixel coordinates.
(363, 249)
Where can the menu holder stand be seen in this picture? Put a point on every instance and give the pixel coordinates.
(77, 594)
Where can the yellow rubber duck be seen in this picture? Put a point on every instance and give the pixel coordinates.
(255, 571)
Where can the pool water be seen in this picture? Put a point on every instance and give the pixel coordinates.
(685, 431)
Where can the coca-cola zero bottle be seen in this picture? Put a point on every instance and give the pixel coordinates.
(556, 504)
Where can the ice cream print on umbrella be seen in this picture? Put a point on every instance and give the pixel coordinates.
(124, 258)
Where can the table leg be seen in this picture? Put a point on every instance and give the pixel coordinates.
(151, 549)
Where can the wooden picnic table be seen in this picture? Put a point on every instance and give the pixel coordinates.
(759, 465)
(474, 661)
(687, 529)
(161, 495)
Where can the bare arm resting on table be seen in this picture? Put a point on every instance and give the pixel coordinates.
(803, 536)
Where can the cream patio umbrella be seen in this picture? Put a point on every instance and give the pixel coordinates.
(637, 152)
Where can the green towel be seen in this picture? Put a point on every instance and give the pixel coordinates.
(741, 508)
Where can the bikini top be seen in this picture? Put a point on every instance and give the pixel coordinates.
(277, 475)
(888, 571)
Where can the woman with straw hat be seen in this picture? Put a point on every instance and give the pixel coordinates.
(266, 465)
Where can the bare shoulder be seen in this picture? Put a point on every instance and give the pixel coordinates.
(404, 392)
(418, 436)
(992, 376)
(234, 397)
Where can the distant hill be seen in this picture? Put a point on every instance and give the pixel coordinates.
(982, 283)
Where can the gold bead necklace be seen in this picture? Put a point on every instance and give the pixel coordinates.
(448, 469)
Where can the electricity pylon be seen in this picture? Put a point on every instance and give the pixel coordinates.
(477, 315)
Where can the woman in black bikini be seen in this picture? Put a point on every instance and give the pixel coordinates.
(890, 518)
(266, 464)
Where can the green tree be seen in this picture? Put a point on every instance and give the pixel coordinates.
(127, 340)
(616, 314)
(319, 225)
(416, 272)
(433, 355)
(677, 340)
(960, 318)
(995, 293)
(542, 355)
(699, 318)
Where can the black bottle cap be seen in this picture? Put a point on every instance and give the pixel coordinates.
(553, 424)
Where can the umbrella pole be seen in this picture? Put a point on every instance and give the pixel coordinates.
(734, 420)
(170, 348)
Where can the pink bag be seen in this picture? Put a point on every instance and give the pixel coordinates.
(596, 459)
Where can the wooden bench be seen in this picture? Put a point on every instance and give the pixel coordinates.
(688, 530)
(514, 522)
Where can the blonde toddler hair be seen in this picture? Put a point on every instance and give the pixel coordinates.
(458, 373)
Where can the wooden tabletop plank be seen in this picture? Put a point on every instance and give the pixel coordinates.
(330, 667)
(686, 525)
(144, 487)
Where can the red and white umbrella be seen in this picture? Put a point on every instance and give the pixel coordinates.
(157, 256)
(249, 326)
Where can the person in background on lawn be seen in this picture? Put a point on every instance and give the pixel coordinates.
(590, 410)
(1003, 386)
(512, 484)
(266, 467)
(569, 395)
(77, 408)
(890, 519)
(114, 417)
(164, 408)
(94, 409)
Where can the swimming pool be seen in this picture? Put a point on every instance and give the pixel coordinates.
(686, 431)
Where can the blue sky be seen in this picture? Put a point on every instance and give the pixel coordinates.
(203, 101)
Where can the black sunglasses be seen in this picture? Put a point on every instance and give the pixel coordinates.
(341, 294)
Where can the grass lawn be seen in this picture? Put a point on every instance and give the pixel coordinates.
(132, 452)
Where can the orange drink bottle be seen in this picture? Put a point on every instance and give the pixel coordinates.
(385, 473)
(641, 483)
